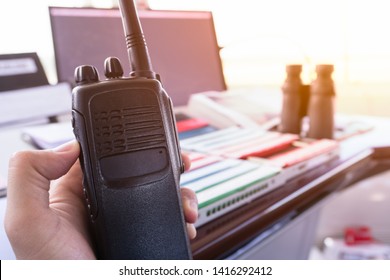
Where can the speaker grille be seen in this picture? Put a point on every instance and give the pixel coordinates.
(127, 130)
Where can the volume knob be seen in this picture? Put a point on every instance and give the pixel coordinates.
(86, 74)
(113, 68)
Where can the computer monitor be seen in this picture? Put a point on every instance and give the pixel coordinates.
(182, 45)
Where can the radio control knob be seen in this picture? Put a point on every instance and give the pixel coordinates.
(86, 74)
(113, 68)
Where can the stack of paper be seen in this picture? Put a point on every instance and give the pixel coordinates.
(236, 142)
(235, 165)
(24, 105)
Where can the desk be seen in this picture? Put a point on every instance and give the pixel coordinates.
(273, 226)
(281, 224)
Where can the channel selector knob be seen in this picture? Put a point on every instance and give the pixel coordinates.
(86, 74)
(113, 68)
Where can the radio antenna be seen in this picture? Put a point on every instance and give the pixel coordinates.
(141, 65)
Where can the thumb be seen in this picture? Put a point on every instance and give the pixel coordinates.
(29, 176)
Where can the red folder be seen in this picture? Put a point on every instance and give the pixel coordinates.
(190, 124)
(304, 153)
(267, 148)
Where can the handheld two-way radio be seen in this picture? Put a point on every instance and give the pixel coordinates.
(130, 155)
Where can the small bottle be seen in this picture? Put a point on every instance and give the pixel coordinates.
(291, 116)
(321, 104)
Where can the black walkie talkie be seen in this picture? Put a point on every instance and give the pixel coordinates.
(130, 155)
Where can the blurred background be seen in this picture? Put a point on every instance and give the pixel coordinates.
(258, 38)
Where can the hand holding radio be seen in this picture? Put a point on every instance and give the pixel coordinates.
(131, 163)
(130, 155)
(56, 226)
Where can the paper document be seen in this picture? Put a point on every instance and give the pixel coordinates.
(48, 136)
(242, 108)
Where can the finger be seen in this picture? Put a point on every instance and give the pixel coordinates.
(190, 205)
(191, 231)
(67, 194)
(67, 199)
(70, 183)
(186, 161)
